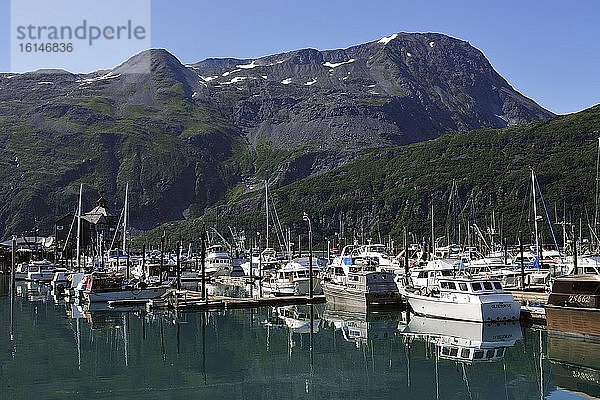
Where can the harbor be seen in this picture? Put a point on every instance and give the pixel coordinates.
(96, 350)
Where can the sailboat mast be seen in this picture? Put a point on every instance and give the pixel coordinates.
(432, 233)
(125, 216)
(597, 181)
(535, 224)
(267, 208)
(78, 251)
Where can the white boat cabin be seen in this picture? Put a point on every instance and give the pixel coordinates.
(470, 286)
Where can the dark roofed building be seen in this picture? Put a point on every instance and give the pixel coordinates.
(98, 228)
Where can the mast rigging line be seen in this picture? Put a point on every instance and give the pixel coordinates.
(537, 183)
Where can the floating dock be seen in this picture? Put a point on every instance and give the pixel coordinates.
(188, 300)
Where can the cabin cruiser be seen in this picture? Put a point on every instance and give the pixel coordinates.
(427, 276)
(360, 285)
(293, 278)
(574, 305)
(379, 254)
(464, 299)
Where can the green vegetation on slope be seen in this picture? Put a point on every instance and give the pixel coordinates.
(388, 189)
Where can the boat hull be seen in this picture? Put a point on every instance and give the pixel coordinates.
(491, 311)
(573, 320)
(134, 294)
(342, 295)
(298, 287)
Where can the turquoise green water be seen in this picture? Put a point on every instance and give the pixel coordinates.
(60, 352)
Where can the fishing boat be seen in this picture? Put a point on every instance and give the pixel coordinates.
(113, 287)
(574, 305)
(465, 299)
(360, 286)
(217, 259)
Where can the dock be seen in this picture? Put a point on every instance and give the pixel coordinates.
(188, 300)
(530, 296)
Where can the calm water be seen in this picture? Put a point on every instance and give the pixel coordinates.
(61, 352)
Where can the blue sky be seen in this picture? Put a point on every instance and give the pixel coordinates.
(548, 50)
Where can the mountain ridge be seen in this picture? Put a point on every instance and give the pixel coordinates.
(188, 137)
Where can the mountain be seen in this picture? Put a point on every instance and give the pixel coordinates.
(468, 177)
(401, 89)
(188, 137)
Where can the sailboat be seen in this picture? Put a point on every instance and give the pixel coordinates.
(105, 287)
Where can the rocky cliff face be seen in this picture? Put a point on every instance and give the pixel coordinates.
(186, 137)
(400, 89)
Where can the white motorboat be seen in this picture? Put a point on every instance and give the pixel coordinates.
(293, 279)
(465, 299)
(112, 287)
(217, 259)
(378, 253)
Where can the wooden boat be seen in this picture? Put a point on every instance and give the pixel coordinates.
(574, 305)
(465, 299)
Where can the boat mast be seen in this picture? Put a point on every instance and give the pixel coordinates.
(432, 233)
(597, 180)
(267, 208)
(125, 219)
(535, 219)
(78, 251)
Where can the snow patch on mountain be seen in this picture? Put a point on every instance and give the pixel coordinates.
(387, 39)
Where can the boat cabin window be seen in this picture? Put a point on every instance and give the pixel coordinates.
(487, 285)
(478, 355)
(476, 286)
(463, 286)
(500, 352)
(465, 353)
(490, 353)
(497, 285)
(453, 352)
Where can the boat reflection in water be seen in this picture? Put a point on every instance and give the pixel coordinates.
(575, 364)
(299, 318)
(463, 341)
(360, 325)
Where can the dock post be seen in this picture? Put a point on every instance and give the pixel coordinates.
(575, 269)
(162, 254)
(178, 265)
(203, 262)
(259, 267)
(522, 265)
(406, 272)
(12, 263)
(310, 256)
